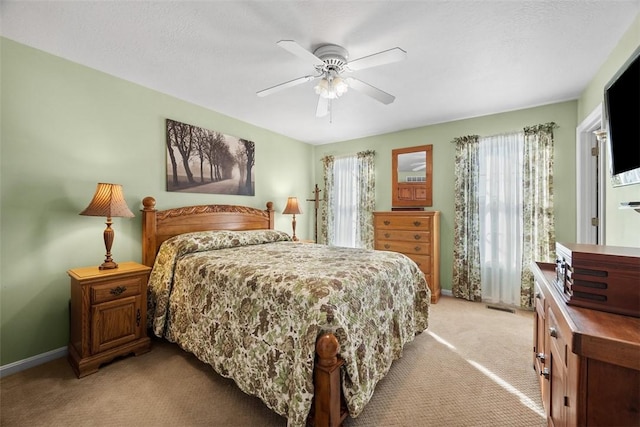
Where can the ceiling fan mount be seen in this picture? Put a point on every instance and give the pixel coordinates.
(330, 61)
(333, 56)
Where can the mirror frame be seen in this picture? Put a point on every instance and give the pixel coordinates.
(398, 198)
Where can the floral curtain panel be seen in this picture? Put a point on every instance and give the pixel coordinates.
(327, 234)
(539, 223)
(466, 233)
(366, 199)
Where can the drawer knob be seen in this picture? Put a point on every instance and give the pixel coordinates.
(538, 295)
(545, 373)
(417, 248)
(417, 236)
(417, 223)
(118, 290)
(387, 222)
(387, 246)
(553, 332)
(387, 235)
(541, 357)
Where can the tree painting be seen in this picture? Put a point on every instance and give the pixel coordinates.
(204, 161)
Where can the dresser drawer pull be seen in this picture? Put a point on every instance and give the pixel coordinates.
(387, 235)
(138, 318)
(545, 373)
(417, 223)
(553, 332)
(118, 290)
(541, 357)
(538, 295)
(387, 246)
(387, 222)
(417, 248)
(417, 237)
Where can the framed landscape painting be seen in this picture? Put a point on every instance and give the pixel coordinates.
(200, 160)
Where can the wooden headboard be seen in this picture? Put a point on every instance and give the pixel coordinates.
(158, 226)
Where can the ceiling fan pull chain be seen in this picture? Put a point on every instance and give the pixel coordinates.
(330, 111)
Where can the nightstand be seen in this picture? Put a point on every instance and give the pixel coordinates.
(108, 315)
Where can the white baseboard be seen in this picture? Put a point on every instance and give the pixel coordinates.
(446, 292)
(30, 362)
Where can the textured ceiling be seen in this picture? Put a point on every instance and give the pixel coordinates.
(465, 58)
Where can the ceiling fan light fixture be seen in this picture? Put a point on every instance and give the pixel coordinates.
(339, 86)
(331, 87)
(322, 88)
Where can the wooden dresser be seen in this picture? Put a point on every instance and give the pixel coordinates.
(588, 360)
(415, 234)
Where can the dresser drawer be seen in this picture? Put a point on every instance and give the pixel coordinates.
(423, 261)
(418, 248)
(557, 336)
(115, 289)
(384, 222)
(404, 235)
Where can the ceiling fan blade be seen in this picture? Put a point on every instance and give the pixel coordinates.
(385, 57)
(285, 85)
(372, 91)
(294, 48)
(323, 107)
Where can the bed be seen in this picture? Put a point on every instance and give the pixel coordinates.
(309, 329)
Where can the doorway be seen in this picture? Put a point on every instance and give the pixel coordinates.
(590, 180)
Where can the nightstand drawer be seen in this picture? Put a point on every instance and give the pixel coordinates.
(115, 289)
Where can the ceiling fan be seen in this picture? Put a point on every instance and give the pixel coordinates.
(330, 62)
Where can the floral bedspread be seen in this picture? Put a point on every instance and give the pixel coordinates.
(252, 303)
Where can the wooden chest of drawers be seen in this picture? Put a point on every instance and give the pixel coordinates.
(415, 234)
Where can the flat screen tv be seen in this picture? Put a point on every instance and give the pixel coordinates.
(622, 117)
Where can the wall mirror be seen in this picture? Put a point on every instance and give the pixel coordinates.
(412, 176)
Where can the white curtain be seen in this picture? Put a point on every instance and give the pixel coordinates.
(501, 217)
(345, 201)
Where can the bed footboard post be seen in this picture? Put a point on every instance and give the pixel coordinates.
(328, 393)
(148, 231)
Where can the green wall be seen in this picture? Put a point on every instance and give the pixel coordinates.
(622, 226)
(65, 128)
(441, 135)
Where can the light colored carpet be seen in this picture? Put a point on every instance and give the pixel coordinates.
(473, 367)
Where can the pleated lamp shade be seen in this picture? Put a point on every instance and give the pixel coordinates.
(108, 201)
